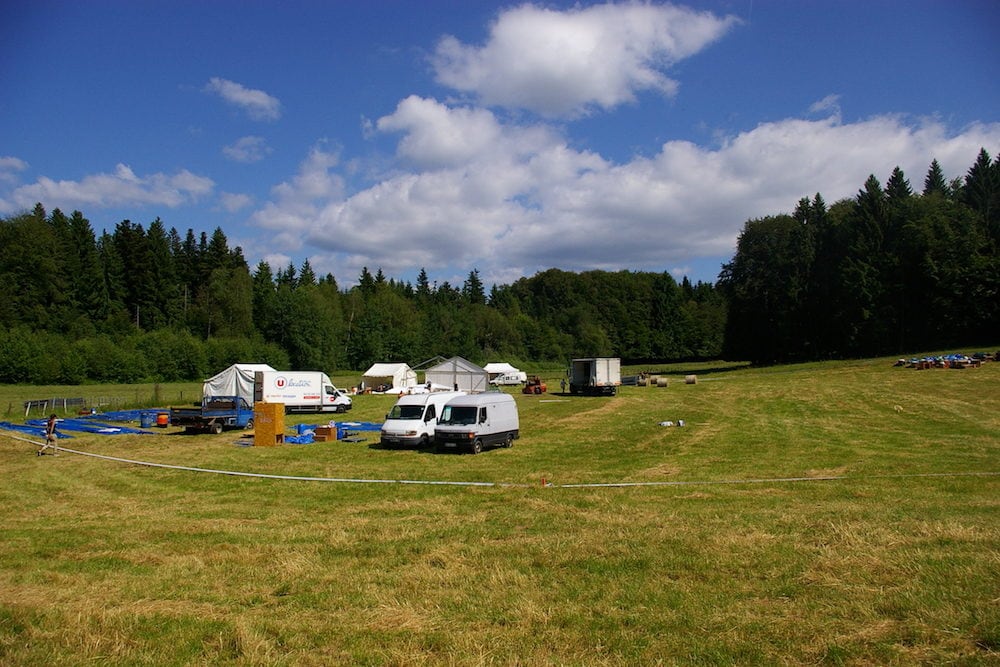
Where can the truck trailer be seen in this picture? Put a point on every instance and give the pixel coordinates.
(300, 391)
(595, 376)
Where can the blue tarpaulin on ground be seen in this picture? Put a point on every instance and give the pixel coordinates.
(125, 415)
(37, 431)
(91, 426)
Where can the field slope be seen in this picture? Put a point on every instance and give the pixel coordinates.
(835, 513)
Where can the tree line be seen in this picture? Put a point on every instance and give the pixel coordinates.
(149, 304)
(890, 271)
(887, 271)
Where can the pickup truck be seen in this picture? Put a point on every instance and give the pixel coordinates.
(213, 415)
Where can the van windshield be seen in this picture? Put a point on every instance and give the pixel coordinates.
(406, 412)
(462, 415)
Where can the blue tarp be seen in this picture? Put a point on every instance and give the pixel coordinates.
(37, 431)
(90, 426)
(125, 415)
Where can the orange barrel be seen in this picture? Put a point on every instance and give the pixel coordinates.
(162, 419)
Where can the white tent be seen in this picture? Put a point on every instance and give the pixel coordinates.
(459, 373)
(237, 380)
(499, 368)
(397, 375)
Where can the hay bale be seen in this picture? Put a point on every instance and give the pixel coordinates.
(661, 382)
(690, 379)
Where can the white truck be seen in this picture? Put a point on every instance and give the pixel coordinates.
(475, 421)
(412, 420)
(595, 376)
(300, 391)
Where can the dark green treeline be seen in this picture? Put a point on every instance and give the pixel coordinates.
(890, 271)
(146, 304)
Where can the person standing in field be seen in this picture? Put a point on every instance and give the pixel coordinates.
(50, 436)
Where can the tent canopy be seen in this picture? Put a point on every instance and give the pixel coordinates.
(237, 380)
(459, 373)
(396, 374)
(499, 368)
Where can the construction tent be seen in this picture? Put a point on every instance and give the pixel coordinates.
(237, 380)
(499, 368)
(396, 375)
(460, 374)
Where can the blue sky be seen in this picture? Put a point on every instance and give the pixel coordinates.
(508, 138)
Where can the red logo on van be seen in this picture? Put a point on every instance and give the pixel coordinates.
(280, 382)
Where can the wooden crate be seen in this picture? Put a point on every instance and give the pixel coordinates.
(268, 424)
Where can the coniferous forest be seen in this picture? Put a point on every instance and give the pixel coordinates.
(889, 271)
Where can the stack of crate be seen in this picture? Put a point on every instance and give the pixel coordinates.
(268, 424)
(325, 433)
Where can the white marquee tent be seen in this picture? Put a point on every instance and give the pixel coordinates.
(459, 373)
(499, 368)
(399, 375)
(237, 380)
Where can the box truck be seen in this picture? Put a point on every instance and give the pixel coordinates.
(595, 376)
(300, 391)
(412, 420)
(475, 421)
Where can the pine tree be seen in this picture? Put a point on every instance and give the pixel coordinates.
(423, 285)
(934, 183)
(897, 189)
(981, 192)
(307, 277)
(473, 290)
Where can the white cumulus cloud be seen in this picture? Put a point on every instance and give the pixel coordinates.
(565, 63)
(526, 200)
(247, 150)
(233, 202)
(120, 188)
(256, 103)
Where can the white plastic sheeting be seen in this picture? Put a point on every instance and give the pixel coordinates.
(237, 380)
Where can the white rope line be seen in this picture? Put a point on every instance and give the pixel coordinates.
(544, 483)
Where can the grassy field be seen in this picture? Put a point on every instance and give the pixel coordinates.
(835, 513)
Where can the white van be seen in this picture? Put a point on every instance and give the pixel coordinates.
(477, 420)
(515, 377)
(412, 420)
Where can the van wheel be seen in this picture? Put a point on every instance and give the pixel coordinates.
(249, 426)
(477, 446)
(215, 429)
(509, 440)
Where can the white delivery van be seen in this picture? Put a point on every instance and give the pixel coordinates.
(475, 421)
(300, 391)
(516, 377)
(412, 420)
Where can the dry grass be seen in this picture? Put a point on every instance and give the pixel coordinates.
(116, 564)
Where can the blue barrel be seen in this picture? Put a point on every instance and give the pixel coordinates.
(146, 419)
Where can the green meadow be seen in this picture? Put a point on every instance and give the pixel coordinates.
(841, 513)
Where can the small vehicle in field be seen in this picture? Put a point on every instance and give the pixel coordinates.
(213, 415)
(534, 385)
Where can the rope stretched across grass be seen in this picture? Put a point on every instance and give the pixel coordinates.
(544, 482)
